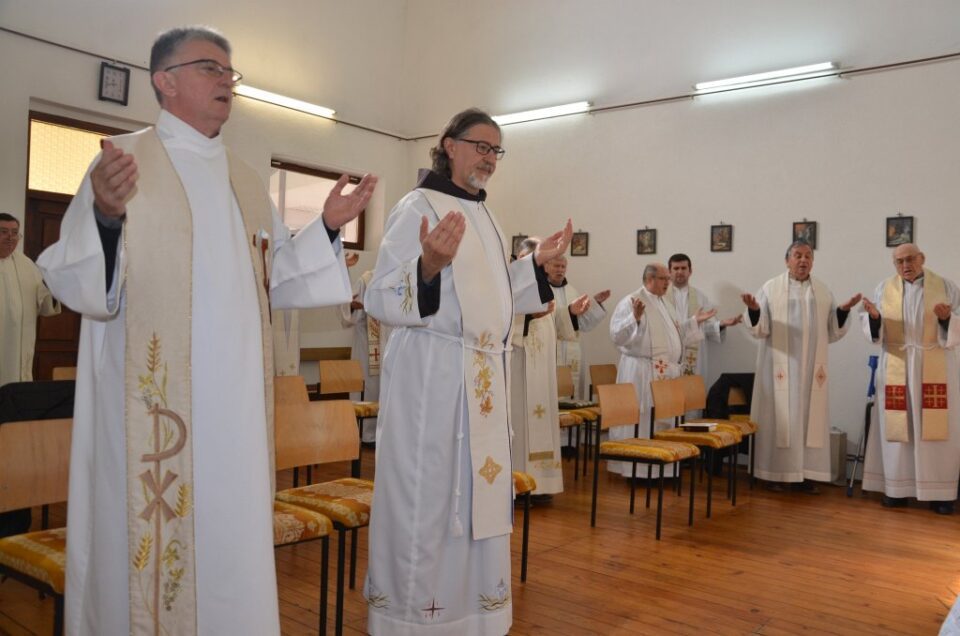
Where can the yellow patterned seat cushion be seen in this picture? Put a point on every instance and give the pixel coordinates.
(715, 439)
(589, 414)
(568, 419)
(366, 409)
(293, 523)
(744, 419)
(346, 501)
(650, 449)
(523, 482)
(41, 555)
(745, 426)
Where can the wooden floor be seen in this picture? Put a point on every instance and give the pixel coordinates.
(778, 563)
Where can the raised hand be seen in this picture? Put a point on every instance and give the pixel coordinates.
(340, 208)
(580, 305)
(847, 306)
(440, 244)
(703, 315)
(729, 322)
(750, 301)
(113, 179)
(351, 258)
(871, 308)
(638, 308)
(942, 310)
(601, 296)
(550, 307)
(554, 245)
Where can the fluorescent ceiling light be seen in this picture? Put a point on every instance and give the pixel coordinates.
(542, 113)
(772, 77)
(283, 100)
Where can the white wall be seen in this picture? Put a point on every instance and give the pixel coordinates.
(844, 153)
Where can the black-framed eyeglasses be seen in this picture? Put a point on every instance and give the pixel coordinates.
(211, 68)
(484, 148)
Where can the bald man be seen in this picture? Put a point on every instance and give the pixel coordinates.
(915, 451)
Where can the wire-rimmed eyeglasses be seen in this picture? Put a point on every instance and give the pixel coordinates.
(212, 68)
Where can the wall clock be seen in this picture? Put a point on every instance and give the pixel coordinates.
(114, 83)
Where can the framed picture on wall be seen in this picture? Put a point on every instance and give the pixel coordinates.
(899, 230)
(646, 241)
(805, 231)
(721, 238)
(580, 244)
(515, 244)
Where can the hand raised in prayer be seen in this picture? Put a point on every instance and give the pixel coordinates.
(554, 245)
(847, 306)
(113, 179)
(440, 244)
(942, 311)
(750, 301)
(339, 208)
(580, 305)
(550, 307)
(638, 308)
(871, 308)
(729, 322)
(601, 296)
(703, 315)
(351, 258)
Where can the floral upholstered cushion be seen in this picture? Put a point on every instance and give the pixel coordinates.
(589, 414)
(741, 422)
(650, 449)
(366, 409)
(293, 523)
(716, 439)
(346, 501)
(41, 555)
(568, 419)
(523, 482)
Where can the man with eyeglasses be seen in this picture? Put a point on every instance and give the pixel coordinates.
(442, 513)
(23, 297)
(173, 253)
(915, 450)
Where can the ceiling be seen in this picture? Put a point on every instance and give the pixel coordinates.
(407, 65)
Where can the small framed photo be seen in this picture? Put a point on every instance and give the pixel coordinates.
(646, 241)
(515, 244)
(899, 230)
(580, 244)
(805, 231)
(721, 238)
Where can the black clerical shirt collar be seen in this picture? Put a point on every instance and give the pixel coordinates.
(433, 181)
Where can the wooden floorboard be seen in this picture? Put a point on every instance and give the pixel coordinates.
(777, 564)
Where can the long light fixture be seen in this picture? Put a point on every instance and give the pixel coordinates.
(542, 113)
(771, 77)
(282, 100)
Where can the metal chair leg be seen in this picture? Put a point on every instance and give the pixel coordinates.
(324, 582)
(660, 502)
(341, 566)
(596, 477)
(709, 481)
(353, 558)
(693, 482)
(526, 536)
(633, 486)
(752, 444)
(576, 452)
(649, 480)
(58, 615)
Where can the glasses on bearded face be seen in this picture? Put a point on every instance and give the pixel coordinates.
(484, 148)
(211, 68)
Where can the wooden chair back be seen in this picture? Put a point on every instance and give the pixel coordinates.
(64, 373)
(565, 382)
(602, 374)
(34, 463)
(618, 405)
(289, 389)
(668, 398)
(340, 376)
(315, 433)
(694, 392)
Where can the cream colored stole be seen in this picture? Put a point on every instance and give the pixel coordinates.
(658, 326)
(778, 292)
(158, 239)
(539, 348)
(566, 333)
(486, 382)
(691, 351)
(373, 335)
(934, 421)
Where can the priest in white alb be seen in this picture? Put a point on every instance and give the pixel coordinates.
(442, 513)
(794, 317)
(914, 451)
(173, 253)
(650, 339)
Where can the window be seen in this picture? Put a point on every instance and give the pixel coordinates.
(61, 151)
(299, 192)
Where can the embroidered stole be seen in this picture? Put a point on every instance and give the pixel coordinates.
(691, 351)
(538, 349)
(484, 337)
(566, 334)
(373, 334)
(158, 239)
(663, 328)
(778, 293)
(896, 401)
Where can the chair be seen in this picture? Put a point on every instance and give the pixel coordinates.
(583, 411)
(317, 433)
(602, 374)
(346, 376)
(293, 524)
(34, 469)
(618, 407)
(523, 485)
(64, 373)
(669, 402)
